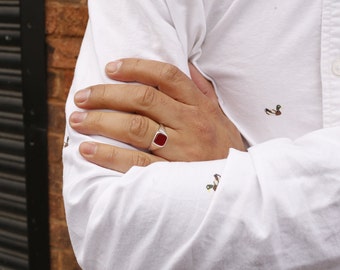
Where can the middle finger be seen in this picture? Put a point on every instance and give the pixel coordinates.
(141, 99)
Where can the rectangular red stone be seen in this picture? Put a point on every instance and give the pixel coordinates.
(160, 139)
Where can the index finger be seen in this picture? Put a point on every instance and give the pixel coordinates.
(166, 77)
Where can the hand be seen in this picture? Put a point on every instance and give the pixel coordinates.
(196, 126)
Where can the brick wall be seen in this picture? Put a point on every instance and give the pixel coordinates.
(65, 25)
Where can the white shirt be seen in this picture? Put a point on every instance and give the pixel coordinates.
(277, 206)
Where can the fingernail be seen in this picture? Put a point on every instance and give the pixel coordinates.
(113, 67)
(88, 148)
(78, 117)
(82, 95)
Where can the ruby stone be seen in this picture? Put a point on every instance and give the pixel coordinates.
(160, 139)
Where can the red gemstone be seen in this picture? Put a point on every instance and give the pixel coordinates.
(160, 139)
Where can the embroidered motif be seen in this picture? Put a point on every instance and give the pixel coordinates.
(274, 111)
(215, 183)
(66, 143)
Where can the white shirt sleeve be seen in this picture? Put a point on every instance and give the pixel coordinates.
(276, 206)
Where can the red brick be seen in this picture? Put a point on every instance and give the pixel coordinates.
(68, 261)
(59, 82)
(56, 116)
(54, 83)
(78, 2)
(63, 51)
(55, 177)
(68, 78)
(65, 25)
(66, 19)
(55, 145)
(57, 210)
(55, 259)
(59, 237)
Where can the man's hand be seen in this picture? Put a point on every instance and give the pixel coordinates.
(197, 128)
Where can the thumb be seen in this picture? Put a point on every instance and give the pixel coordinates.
(204, 85)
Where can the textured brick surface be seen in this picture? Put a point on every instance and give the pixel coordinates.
(59, 82)
(56, 116)
(65, 19)
(63, 51)
(65, 25)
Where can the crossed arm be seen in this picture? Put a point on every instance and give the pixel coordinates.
(261, 213)
(277, 205)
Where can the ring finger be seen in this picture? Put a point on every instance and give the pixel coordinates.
(136, 130)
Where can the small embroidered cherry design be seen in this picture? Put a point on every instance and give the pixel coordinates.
(215, 183)
(274, 111)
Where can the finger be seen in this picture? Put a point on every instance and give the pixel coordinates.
(132, 129)
(139, 99)
(135, 130)
(202, 83)
(115, 158)
(166, 77)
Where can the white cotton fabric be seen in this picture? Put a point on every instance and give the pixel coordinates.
(278, 204)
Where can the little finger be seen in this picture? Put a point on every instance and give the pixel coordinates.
(115, 158)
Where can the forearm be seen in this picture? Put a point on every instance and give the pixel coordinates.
(156, 208)
(267, 208)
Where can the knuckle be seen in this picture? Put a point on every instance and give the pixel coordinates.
(141, 159)
(138, 63)
(100, 95)
(103, 90)
(97, 94)
(147, 96)
(95, 123)
(170, 73)
(139, 126)
(110, 156)
(134, 65)
(103, 95)
(95, 119)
